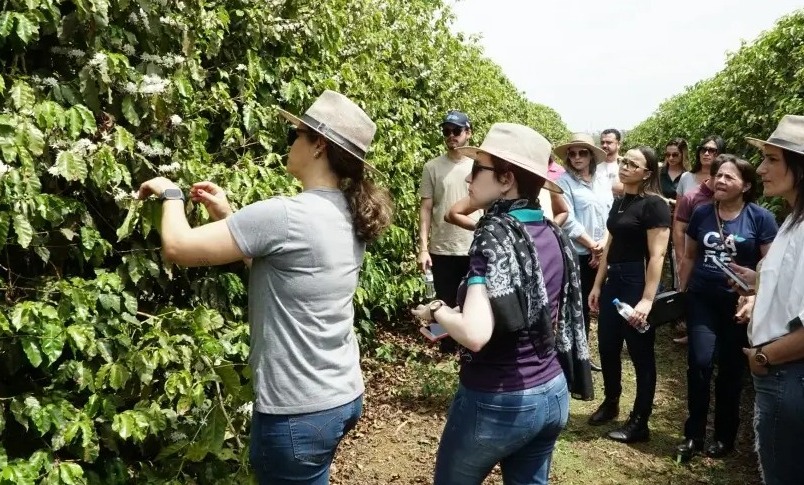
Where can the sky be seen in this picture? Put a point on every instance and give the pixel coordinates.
(610, 63)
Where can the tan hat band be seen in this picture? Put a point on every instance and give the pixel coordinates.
(332, 134)
(793, 147)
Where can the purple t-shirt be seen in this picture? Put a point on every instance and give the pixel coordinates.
(509, 362)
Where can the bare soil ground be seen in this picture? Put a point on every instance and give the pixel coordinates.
(409, 387)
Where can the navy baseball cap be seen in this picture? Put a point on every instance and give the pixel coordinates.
(457, 118)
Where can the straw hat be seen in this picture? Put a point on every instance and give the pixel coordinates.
(581, 140)
(339, 120)
(519, 145)
(789, 134)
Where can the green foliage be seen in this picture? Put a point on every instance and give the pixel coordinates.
(761, 82)
(116, 367)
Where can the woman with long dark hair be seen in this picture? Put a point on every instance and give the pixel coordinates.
(775, 333)
(709, 148)
(306, 252)
(732, 229)
(630, 269)
(520, 322)
(676, 164)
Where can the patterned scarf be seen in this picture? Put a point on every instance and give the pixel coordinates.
(518, 294)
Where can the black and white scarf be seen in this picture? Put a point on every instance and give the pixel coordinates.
(518, 295)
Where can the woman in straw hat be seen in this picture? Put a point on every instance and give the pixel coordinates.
(306, 254)
(513, 398)
(629, 270)
(589, 200)
(775, 333)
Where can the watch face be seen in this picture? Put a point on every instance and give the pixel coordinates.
(761, 359)
(172, 194)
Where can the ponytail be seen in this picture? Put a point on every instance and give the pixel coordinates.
(369, 204)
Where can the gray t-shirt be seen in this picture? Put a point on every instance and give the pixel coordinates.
(304, 354)
(686, 183)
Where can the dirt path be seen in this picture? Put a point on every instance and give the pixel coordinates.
(408, 391)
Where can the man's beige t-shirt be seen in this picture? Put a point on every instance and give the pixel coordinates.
(444, 181)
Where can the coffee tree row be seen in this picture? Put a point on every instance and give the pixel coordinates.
(118, 368)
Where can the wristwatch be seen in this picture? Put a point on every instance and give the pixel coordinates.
(760, 358)
(434, 306)
(172, 194)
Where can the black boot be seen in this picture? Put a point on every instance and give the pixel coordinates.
(634, 430)
(687, 449)
(719, 449)
(607, 411)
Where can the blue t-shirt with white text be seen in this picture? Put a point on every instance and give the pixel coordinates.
(745, 234)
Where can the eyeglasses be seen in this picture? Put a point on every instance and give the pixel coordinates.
(672, 155)
(630, 164)
(583, 152)
(476, 168)
(708, 150)
(293, 134)
(447, 131)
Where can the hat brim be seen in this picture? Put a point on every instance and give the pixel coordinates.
(561, 151)
(761, 144)
(296, 121)
(473, 152)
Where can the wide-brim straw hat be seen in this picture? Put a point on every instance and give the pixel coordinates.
(339, 120)
(519, 145)
(789, 135)
(581, 140)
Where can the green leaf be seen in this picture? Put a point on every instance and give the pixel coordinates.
(6, 23)
(127, 228)
(230, 379)
(80, 335)
(22, 95)
(129, 111)
(171, 450)
(26, 30)
(210, 438)
(71, 474)
(118, 376)
(49, 115)
(5, 226)
(32, 351)
(71, 166)
(34, 139)
(110, 302)
(53, 340)
(123, 139)
(24, 230)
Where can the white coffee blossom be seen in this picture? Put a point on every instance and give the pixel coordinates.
(4, 169)
(152, 151)
(175, 120)
(128, 49)
(58, 144)
(241, 67)
(246, 409)
(83, 147)
(98, 60)
(169, 60)
(153, 84)
(53, 170)
(177, 436)
(121, 195)
(75, 53)
(171, 21)
(169, 168)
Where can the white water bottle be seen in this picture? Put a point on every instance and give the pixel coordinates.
(429, 285)
(627, 311)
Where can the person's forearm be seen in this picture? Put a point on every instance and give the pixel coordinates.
(425, 217)
(174, 226)
(586, 241)
(617, 188)
(602, 268)
(462, 221)
(786, 349)
(684, 272)
(653, 276)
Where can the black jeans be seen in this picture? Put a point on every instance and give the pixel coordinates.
(587, 282)
(714, 334)
(448, 271)
(626, 281)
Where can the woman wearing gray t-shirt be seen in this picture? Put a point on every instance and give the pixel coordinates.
(305, 253)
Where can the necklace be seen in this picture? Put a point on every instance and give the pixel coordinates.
(620, 208)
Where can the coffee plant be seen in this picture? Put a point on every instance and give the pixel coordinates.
(116, 367)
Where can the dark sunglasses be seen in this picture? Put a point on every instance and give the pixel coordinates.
(447, 131)
(293, 135)
(708, 150)
(583, 152)
(476, 168)
(672, 155)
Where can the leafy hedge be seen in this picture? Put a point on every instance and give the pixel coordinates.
(761, 82)
(115, 368)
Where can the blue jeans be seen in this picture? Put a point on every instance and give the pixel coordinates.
(714, 337)
(625, 281)
(779, 423)
(516, 429)
(298, 448)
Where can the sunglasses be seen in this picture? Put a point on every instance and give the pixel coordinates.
(708, 150)
(476, 168)
(583, 152)
(293, 135)
(630, 164)
(447, 131)
(672, 155)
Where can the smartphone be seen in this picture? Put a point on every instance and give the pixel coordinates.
(731, 274)
(434, 332)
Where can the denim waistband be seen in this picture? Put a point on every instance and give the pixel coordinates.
(630, 267)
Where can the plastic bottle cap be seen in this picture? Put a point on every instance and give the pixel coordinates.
(616, 301)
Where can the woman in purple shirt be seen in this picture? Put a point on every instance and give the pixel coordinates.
(520, 322)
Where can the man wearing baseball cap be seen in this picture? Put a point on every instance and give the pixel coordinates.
(444, 247)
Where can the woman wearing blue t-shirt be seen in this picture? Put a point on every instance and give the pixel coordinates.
(520, 324)
(733, 229)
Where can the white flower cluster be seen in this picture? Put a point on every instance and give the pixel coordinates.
(58, 144)
(128, 49)
(175, 120)
(241, 67)
(121, 195)
(169, 168)
(141, 18)
(98, 62)
(83, 147)
(152, 151)
(172, 22)
(177, 436)
(246, 409)
(73, 53)
(4, 169)
(50, 82)
(151, 84)
(169, 60)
